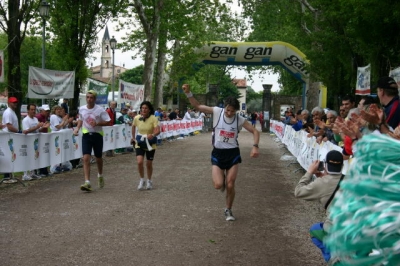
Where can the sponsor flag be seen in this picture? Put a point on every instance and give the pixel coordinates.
(130, 93)
(363, 86)
(395, 74)
(100, 88)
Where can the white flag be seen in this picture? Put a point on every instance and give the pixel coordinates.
(395, 74)
(363, 86)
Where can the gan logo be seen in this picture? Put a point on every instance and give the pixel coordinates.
(218, 51)
(260, 52)
(296, 63)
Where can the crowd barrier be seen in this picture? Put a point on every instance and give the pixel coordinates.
(304, 149)
(20, 152)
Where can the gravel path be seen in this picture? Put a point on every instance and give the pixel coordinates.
(179, 222)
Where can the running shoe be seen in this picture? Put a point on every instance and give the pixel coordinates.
(57, 170)
(26, 178)
(9, 181)
(149, 185)
(229, 215)
(141, 185)
(35, 176)
(86, 187)
(100, 180)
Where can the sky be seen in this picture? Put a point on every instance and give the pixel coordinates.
(126, 58)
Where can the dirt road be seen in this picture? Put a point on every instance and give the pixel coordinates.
(179, 222)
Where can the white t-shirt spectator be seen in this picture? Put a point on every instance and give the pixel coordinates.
(55, 120)
(28, 123)
(9, 117)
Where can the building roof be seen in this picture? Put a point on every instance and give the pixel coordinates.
(106, 34)
(240, 82)
(104, 80)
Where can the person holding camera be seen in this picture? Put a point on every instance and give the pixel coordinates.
(322, 189)
(145, 129)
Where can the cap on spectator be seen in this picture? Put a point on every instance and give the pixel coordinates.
(134, 111)
(387, 83)
(334, 162)
(12, 100)
(128, 105)
(45, 107)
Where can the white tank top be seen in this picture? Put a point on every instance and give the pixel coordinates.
(225, 134)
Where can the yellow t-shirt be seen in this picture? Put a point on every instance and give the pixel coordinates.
(145, 127)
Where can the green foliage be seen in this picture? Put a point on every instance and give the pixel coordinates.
(254, 105)
(133, 75)
(336, 36)
(75, 25)
(252, 95)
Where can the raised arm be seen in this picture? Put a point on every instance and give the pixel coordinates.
(203, 108)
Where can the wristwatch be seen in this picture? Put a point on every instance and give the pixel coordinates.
(255, 145)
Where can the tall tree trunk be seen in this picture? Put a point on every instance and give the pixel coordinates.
(149, 63)
(14, 57)
(161, 61)
(172, 84)
(151, 28)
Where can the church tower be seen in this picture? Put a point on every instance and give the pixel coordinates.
(105, 65)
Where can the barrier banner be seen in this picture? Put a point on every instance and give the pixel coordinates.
(304, 149)
(50, 84)
(182, 127)
(20, 152)
(44, 150)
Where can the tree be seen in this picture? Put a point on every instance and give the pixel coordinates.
(75, 25)
(336, 36)
(252, 95)
(133, 75)
(186, 24)
(15, 16)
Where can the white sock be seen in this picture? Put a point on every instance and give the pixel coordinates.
(99, 175)
(141, 179)
(87, 181)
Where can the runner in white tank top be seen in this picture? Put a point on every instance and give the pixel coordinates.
(225, 157)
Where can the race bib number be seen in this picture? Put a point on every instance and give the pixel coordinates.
(226, 136)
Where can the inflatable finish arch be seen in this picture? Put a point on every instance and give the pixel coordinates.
(259, 53)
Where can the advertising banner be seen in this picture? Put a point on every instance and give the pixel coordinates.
(130, 93)
(50, 84)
